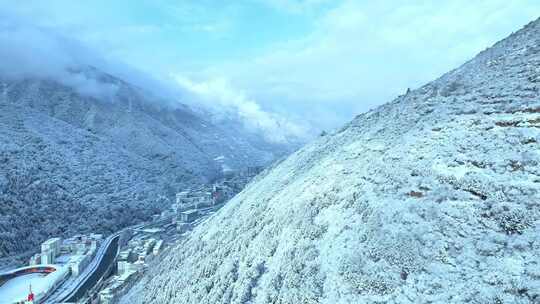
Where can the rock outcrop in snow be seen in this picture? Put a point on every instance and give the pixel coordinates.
(431, 198)
(71, 162)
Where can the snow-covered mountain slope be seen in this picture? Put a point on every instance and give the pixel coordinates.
(431, 198)
(71, 162)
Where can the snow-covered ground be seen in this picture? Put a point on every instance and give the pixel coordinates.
(431, 198)
(17, 288)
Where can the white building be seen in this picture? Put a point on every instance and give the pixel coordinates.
(126, 277)
(138, 265)
(93, 248)
(166, 213)
(157, 247)
(107, 296)
(180, 196)
(35, 260)
(47, 257)
(97, 237)
(119, 286)
(126, 255)
(125, 267)
(53, 245)
(182, 227)
(80, 248)
(189, 216)
(147, 247)
(78, 263)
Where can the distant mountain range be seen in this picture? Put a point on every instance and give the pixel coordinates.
(433, 197)
(101, 153)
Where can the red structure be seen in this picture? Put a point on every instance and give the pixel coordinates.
(30, 295)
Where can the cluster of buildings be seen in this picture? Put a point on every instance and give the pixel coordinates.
(50, 249)
(188, 204)
(139, 252)
(130, 263)
(118, 286)
(75, 252)
(188, 207)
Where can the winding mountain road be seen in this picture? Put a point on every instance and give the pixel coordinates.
(74, 290)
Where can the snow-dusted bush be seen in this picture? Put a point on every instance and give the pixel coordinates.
(513, 219)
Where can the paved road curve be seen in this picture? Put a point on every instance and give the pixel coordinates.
(74, 290)
(107, 260)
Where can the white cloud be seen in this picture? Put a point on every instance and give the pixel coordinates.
(29, 51)
(33, 52)
(219, 96)
(353, 56)
(361, 54)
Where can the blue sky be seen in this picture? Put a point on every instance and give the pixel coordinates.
(293, 65)
(167, 33)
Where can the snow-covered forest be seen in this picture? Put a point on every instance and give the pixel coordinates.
(431, 198)
(270, 152)
(72, 163)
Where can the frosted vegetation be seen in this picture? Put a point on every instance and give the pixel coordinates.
(431, 198)
(71, 163)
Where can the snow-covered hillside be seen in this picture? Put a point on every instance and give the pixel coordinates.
(71, 162)
(431, 198)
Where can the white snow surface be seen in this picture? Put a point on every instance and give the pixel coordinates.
(431, 198)
(17, 289)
